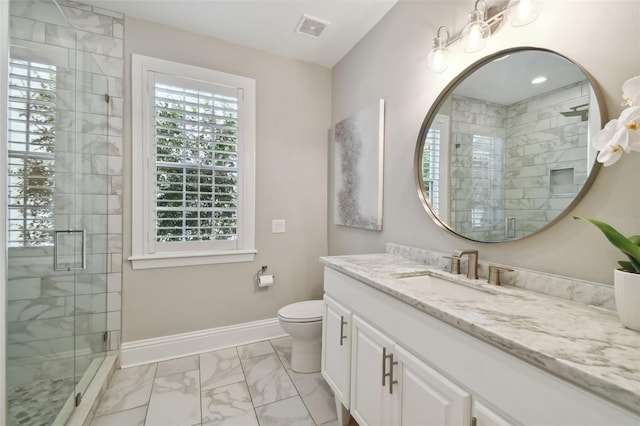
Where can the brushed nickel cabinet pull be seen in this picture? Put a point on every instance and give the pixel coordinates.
(474, 421)
(391, 381)
(384, 369)
(342, 324)
(384, 366)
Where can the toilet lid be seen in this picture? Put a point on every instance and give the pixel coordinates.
(310, 310)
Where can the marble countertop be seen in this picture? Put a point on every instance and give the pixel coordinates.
(585, 345)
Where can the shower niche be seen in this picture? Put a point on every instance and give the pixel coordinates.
(562, 182)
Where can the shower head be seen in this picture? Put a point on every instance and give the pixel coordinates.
(581, 111)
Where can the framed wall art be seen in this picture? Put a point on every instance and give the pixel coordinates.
(358, 168)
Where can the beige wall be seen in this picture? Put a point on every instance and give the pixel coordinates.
(293, 118)
(389, 63)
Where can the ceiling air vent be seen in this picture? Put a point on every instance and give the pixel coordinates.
(310, 26)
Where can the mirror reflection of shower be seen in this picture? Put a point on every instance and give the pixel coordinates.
(519, 152)
(581, 111)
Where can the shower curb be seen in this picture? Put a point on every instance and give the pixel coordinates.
(84, 413)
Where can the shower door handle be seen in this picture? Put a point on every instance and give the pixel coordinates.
(510, 227)
(83, 251)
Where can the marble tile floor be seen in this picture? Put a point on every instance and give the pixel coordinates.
(250, 385)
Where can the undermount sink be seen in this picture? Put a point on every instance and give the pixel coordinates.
(446, 288)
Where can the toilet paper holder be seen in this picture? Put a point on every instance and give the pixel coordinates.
(262, 271)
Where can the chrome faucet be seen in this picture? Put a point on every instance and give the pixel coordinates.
(472, 265)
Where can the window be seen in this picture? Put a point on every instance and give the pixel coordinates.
(31, 153)
(193, 166)
(435, 166)
(431, 168)
(196, 163)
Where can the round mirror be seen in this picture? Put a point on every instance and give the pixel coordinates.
(504, 152)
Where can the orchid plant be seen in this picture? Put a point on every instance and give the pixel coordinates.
(629, 246)
(621, 135)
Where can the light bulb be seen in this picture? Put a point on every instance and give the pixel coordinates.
(523, 13)
(437, 57)
(474, 37)
(524, 8)
(437, 60)
(476, 32)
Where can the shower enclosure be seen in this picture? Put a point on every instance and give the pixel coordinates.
(57, 213)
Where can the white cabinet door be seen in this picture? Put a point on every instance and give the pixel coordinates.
(371, 359)
(485, 416)
(427, 397)
(336, 349)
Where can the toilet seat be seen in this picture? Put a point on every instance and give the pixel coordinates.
(307, 311)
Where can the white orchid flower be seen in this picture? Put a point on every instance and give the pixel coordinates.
(630, 121)
(631, 91)
(621, 135)
(611, 142)
(604, 136)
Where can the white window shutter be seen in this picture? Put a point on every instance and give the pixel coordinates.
(198, 189)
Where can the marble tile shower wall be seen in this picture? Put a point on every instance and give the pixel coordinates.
(86, 46)
(541, 141)
(478, 132)
(531, 140)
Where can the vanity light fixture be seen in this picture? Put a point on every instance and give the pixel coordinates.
(478, 30)
(437, 58)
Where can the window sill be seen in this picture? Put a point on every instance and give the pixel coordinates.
(169, 260)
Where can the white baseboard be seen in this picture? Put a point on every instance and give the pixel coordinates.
(184, 344)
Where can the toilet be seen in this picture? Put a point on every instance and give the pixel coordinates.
(303, 321)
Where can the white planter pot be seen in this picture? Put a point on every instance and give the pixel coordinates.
(627, 292)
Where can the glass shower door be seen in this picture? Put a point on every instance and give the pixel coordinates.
(40, 342)
(57, 217)
(90, 219)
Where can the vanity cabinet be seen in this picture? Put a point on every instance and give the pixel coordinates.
(434, 373)
(390, 386)
(336, 349)
(371, 376)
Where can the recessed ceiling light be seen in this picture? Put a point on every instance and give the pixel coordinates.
(538, 80)
(310, 26)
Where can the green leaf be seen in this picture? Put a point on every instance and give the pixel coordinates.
(634, 263)
(622, 243)
(626, 265)
(630, 265)
(635, 240)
